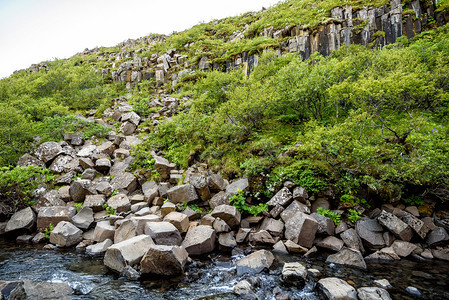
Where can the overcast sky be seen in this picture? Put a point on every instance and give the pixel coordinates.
(32, 31)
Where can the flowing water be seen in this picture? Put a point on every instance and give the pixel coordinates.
(212, 277)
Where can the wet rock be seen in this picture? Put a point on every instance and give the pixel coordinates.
(53, 215)
(182, 193)
(255, 262)
(163, 233)
(226, 242)
(293, 209)
(228, 213)
(83, 218)
(395, 225)
(441, 253)
(241, 184)
(150, 191)
(347, 257)
(129, 252)
(179, 220)
(79, 189)
(294, 274)
(125, 231)
(95, 202)
(124, 181)
(47, 151)
(219, 199)
(370, 232)
(216, 183)
(103, 231)
(283, 198)
(331, 243)
(65, 234)
(130, 273)
(402, 248)
(352, 240)
(373, 293)
(22, 220)
(199, 240)
(274, 227)
(383, 283)
(24, 238)
(336, 289)
(120, 203)
(413, 291)
(99, 248)
(243, 289)
(292, 247)
(386, 254)
(164, 260)
(301, 229)
(41, 290)
(279, 247)
(437, 236)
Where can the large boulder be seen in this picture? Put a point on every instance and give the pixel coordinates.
(283, 198)
(325, 225)
(437, 236)
(163, 166)
(182, 193)
(22, 220)
(337, 289)
(65, 234)
(373, 293)
(227, 213)
(120, 203)
(274, 227)
(125, 231)
(219, 199)
(402, 248)
(399, 228)
(47, 151)
(124, 181)
(53, 215)
(179, 220)
(216, 183)
(348, 257)
(201, 187)
(79, 189)
(370, 232)
(84, 218)
(51, 198)
(164, 260)
(199, 240)
(129, 252)
(241, 184)
(255, 262)
(301, 229)
(143, 220)
(352, 240)
(103, 231)
(293, 209)
(331, 243)
(28, 290)
(294, 273)
(150, 191)
(163, 233)
(58, 164)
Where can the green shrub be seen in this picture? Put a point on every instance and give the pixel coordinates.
(48, 230)
(414, 200)
(353, 215)
(239, 202)
(334, 216)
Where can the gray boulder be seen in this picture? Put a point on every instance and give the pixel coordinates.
(274, 227)
(347, 257)
(99, 248)
(437, 236)
(163, 233)
(300, 194)
(65, 234)
(179, 220)
(125, 231)
(163, 166)
(199, 240)
(293, 209)
(47, 151)
(283, 198)
(294, 274)
(57, 166)
(29, 290)
(370, 232)
(337, 289)
(402, 248)
(331, 243)
(226, 242)
(29, 160)
(22, 220)
(124, 181)
(216, 183)
(301, 229)
(95, 202)
(84, 218)
(352, 240)
(164, 260)
(255, 262)
(79, 189)
(103, 231)
(201, 187)
(53, 215)
(219, 199)
(51, 198)
(150, 191)
(395, 225)
(325, 225)
(120, 203)
(241, 184)
(373, 293)
(227, 213)
(107, 148)
(182, 193)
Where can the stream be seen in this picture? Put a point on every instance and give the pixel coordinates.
(211, 277)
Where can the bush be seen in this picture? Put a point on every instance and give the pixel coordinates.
(334, 216)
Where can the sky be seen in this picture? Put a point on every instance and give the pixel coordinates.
(32, 31)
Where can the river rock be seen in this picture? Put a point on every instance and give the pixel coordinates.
(395, 225)
(79, 189)
(441, 253)
(255, 262)
(65, 234)
(163, 233)
(129, 252)
(103, 231)
(125, 231)
(163, 166)
(124, 181)
(150, 191)
(182, 193)
(53, 215)
(83, 218)
(402, 248)
(216, 183)
(437, 236)
(373, 293)
(347, 257)
(352, 240)
(241, 184)
(41, 290)
(331, 243)
(337, 289)
(294, 274)
(199, 240)
(301, 229)
(283, 198)
(164, 260)
(179, 220)
(99, 248)
(370, 232)
(325, 225)
(293, 209)
(22, 220)
(228, 213)
(243, 289)
(383, 283)
(120, 203)
(48, 151)
(413, 291)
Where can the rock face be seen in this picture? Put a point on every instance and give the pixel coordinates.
(255, 262)
(164, 260)
(66, 234)
(199, 240)
(348, 257)
(336, 289)
(395, 225)
(301, 229)
(163, 233)
(23, 220)
(129, 252)
(227, 213)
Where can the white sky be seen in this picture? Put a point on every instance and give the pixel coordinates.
(32, 31)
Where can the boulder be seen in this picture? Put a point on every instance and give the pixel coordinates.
(22, 221)
(191, 213)
(199, 240)
(65, 179)
(163, 166)
(125, 231)
(167, 208)
(437, 236)
(103, 165)
(255, 262)
(47, 151)
(53, 215)
(86, 151)
(103, 231)
(58, 164)
(99, 248)
(179, 220)
(128, 128)
(386, 254)
(295, 248)
(242, 234)
(283, 198)
(201, 187)
(79, 189)
(279, 247)
(395, 225)
(216, 183)
(86, 163)
(228, 213)
(274, 227)
(124, 181)
(131, 117)
(29, 160)
(143, 220)
(104, 188)
(164, 260)
(352, 240)
(50, 198)
(150, 191)
(65, 234)
(241, 184)
(300, 194)
(84, 218)
(416, 224)
(261, 238)
(402, 248)
(331, 243)
(441, 253)
(373, 293)
(220, 226)
(41, 290)
(293, 209)
(119, 202)
(128, 252)
(182, 193)
(243, 290)
(294, 274)
(95, 202)
(301, 229)
(370, 232)
(347, 257)
(325, 225)
(337, 289)
(163, 233)
(219, 199)
(107, 147)
(226, 242)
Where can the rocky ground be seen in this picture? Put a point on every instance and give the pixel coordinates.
(145, 227)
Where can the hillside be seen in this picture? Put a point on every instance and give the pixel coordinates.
(273, 95)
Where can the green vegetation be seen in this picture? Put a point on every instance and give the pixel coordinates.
(239, 202)
(48, 230)
(109, 210)
(334, 216)
(353, 215)
(78, 206)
